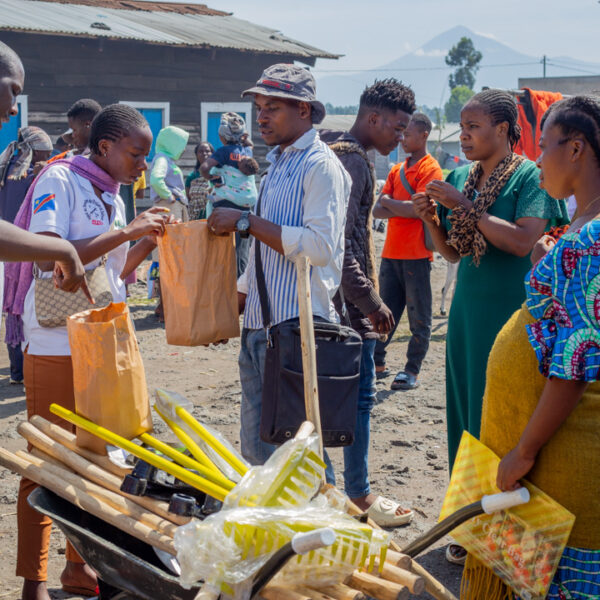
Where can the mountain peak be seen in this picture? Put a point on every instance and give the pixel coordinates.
(447, 39)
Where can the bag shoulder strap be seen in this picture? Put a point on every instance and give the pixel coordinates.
(265, 306)
(409, 188)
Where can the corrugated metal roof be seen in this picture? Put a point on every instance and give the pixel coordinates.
(153, 27)
(153, 5)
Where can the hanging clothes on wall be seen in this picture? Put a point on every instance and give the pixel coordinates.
(532, 105)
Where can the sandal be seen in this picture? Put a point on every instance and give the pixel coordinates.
(383, 512)
(80, 591)
(385, 372)
(404, 381)
(456, 554)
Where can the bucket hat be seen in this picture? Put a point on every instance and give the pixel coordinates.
(291, 82)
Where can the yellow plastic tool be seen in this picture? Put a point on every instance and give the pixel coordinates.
(213, 442)
(200, 483)
(189, 443)
(185, 461)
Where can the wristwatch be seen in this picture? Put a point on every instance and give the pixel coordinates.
(243, 224)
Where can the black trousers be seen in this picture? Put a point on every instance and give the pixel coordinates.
(406, 284)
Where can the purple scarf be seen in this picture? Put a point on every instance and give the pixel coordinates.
(18, 276)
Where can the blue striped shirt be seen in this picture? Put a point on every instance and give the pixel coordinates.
(306, 192)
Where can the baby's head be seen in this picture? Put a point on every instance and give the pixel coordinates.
(232, 128)
(248, 166)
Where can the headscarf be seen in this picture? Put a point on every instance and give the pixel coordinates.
(465, 236)
(232, 127)
(18, 276)
(29, 139)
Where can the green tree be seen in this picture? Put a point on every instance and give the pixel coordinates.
(458, 98)
(466, 59)
(341, 110)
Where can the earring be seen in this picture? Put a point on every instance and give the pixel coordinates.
(104, 155)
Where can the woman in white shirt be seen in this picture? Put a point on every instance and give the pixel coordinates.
(77, 199)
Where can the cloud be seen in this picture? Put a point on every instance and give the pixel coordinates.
(421, 52)
(491, 36)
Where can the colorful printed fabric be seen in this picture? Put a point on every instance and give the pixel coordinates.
(237, 187)
(577, 576)
(563, 295)
(199, 189)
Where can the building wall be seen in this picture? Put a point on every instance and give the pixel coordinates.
(63, 69)
(570, 86)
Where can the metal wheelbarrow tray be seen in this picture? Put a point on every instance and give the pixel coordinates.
(122, 562)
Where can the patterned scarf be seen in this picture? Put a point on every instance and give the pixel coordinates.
(18, 276)
(465, 236)
(30, 139)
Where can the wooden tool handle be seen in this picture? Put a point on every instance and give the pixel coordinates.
(314, 594)
(274, 592)
(398, 559)
(376, 587)
(68, 440)
(123, 505)
(414, 583)
(309, 353)
(90, 470)
(432, 585)
(85, 502)
(343, 592)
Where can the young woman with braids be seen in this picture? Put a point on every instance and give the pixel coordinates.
(541, 409)
(77, 199)
(491, 214)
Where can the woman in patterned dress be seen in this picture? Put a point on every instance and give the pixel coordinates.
(541, 409)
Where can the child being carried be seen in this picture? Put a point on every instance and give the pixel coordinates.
(231, 168)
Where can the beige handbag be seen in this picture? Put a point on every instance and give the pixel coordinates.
(53, 305)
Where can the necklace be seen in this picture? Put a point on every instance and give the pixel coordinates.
(587, 210)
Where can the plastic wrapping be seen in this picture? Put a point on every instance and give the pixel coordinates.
(291, 477)
(167, 402)
(228, 548)
(523, 544)
(262, 513)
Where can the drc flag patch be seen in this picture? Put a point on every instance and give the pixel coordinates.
(45, 202)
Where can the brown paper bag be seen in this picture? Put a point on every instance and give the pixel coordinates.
(108, 374)
(198, 285)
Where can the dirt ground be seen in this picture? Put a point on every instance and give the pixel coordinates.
(408, 460)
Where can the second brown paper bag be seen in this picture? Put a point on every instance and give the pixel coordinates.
(108, 374)
(198, 284)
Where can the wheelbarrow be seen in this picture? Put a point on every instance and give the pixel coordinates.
(125, 564)
(130, 569)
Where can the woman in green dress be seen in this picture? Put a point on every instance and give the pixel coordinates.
(489, 216)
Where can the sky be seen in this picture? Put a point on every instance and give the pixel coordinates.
(372, 32)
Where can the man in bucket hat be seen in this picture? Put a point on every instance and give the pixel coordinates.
(303, 201)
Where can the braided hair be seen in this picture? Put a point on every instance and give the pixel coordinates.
(113, 123)
(502, 108)
(389, 94)
(577, 115)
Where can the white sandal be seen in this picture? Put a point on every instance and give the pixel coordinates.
(383, 512)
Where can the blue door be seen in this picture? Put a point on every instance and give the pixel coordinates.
(10, 131)
(155, 118)
(212, 127)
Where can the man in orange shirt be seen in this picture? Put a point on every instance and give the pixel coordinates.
(404, 276)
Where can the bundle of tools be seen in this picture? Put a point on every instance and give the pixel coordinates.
(263, 509)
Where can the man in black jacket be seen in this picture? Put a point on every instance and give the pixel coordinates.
(383, 114)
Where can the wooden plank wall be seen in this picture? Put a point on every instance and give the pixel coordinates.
(61, 69)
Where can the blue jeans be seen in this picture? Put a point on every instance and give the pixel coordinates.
(252, 367)
(356, 456)
(15, 355)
